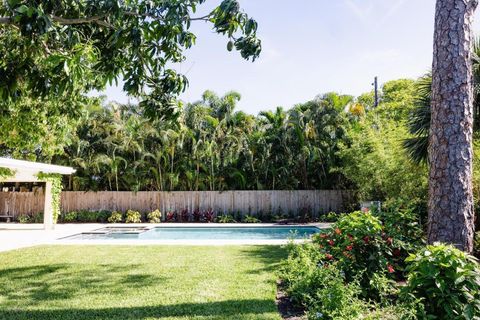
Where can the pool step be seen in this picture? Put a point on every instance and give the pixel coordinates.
(122, 229)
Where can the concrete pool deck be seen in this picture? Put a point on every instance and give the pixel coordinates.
(16, 236)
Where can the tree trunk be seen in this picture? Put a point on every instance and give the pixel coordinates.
(450, 206)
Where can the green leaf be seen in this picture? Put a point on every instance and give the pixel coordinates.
(22, 9)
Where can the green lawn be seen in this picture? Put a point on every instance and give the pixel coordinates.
(139, 282)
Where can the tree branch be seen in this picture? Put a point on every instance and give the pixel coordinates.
(5, 20)
(68, 21)
(95, 19)
(99, 19)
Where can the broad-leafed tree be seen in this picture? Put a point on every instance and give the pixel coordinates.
(56, 51)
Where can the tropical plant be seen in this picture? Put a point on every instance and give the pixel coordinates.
(23, 218)
(133, 216)
(225, 218)
(154, 216)
(115, 217)
(250, 219)
(447, 282)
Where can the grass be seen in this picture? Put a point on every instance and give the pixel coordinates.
(139, 282)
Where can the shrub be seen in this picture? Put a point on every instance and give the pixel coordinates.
(358, 245)
(208, 215)
(23, 218)
(197, 215)
(402, 223)
(447, 282)
(70, 216)
(133, 217)
(87, 216)
(250, 219)
(37, 218)
(335, 299)
(103, 215)
(115, 217)
(225, 218)
(330, 217)
(154, 216)
(184, 215)
(171, 216)
(319, 287)
(304, 215)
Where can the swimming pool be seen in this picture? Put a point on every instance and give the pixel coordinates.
(198, 233)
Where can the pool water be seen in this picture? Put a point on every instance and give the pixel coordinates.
(201, 233)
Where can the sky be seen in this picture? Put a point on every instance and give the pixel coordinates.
(310, 47)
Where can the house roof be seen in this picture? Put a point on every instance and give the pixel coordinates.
(34, 167)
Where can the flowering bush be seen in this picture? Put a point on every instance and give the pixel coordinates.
(359, 246)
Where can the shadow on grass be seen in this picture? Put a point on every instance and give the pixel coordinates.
(230, 309)
(269, 256)
(43, 283)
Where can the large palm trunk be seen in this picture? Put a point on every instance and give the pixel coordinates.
(450, 206)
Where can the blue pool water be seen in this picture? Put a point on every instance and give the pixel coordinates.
(200, 233)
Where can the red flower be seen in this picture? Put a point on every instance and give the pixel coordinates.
(331, 242)
(366, 239)
(349, 248)
(350, 237)
(390, 268)
(329, 256)
(389, 241)
(338, 231)
(323, 235)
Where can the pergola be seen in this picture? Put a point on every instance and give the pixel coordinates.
(28, 171)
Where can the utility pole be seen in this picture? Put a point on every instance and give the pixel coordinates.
(375, 86)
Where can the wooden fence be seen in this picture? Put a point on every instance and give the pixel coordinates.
(246, 202)
(15, 203)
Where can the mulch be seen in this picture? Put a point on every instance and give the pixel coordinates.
(286, 308)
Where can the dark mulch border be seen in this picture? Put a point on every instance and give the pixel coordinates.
(285, 307)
